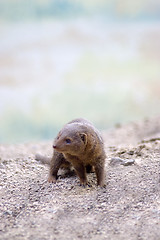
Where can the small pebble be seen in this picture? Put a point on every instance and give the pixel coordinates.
(119, 161)
(128, 162)
(131, 152)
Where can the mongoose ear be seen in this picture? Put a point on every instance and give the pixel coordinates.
(83, 137)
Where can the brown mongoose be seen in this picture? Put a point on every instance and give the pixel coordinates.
(78, 144)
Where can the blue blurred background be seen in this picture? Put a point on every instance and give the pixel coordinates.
(65, 59)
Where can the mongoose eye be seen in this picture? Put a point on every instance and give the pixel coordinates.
(68, 141)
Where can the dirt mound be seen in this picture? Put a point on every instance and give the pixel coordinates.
(128, 208)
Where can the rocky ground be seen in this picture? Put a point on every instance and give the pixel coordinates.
(128, 208)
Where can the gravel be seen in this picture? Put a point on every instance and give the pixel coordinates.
(127, 208)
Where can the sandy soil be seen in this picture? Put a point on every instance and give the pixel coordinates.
(128, 208)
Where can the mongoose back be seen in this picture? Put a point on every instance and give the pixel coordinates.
(78, 144)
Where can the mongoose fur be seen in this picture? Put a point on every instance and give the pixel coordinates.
(78, 144)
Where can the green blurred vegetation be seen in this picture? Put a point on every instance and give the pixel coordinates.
(113, 10)
(106, 103)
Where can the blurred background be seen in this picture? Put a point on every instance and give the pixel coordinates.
(65, 59)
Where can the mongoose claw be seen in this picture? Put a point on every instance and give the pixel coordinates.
(52, 179)
(85, 185)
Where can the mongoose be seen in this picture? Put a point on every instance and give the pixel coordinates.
(78, 144)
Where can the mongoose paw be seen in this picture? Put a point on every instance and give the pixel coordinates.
(82, 185)
(102, 186)
(52, 179)
(85, 184)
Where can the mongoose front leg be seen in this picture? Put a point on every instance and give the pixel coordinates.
(81, 172)
(56, 161)
(99, 169)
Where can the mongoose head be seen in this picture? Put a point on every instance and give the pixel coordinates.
(71, 141)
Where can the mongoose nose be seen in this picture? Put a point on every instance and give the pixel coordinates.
(54, 146)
